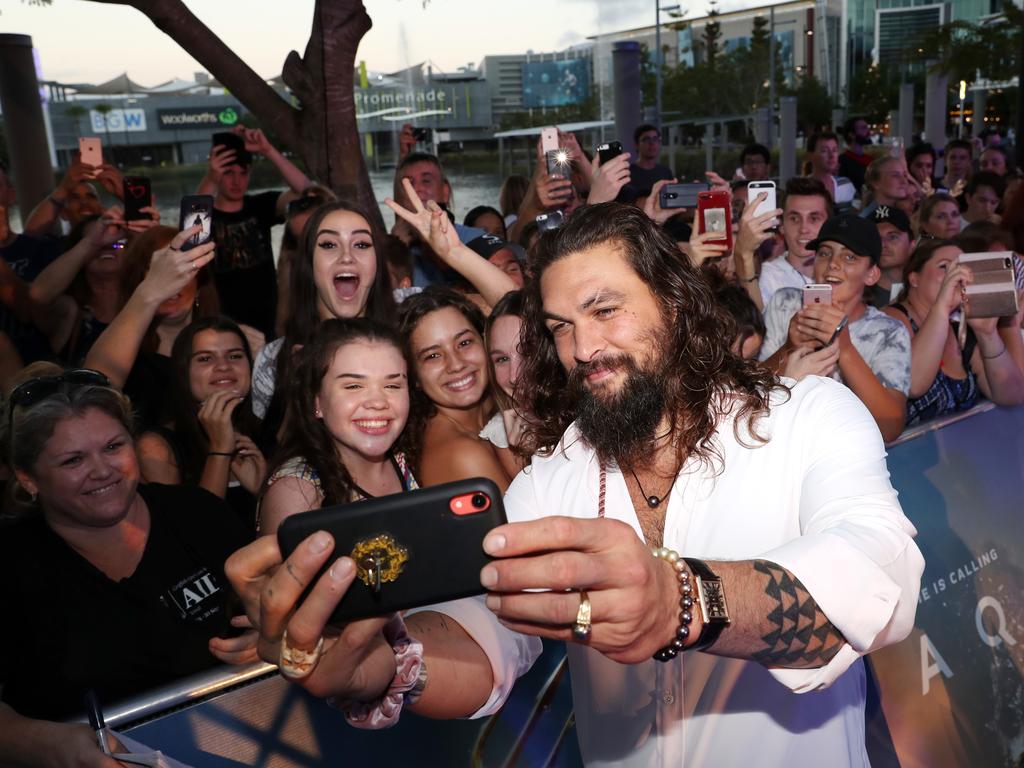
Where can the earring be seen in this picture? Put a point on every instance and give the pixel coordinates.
(317, 413)
(32, 497)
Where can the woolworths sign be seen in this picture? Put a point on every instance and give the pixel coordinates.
(197, 117)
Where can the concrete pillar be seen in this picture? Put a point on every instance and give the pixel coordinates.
(23, 122)
(980, 104)
(935, 107)
(763, 126)
(906, 114)
(626, 79)
(787, 139)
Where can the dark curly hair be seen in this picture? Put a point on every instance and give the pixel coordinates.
(411, 312)
(307, 436)
(705, 379)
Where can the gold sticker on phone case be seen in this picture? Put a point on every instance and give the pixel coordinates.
(379, 560)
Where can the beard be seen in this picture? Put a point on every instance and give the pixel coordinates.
(620, 426)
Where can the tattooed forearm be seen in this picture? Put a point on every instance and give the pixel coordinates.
(801, 635)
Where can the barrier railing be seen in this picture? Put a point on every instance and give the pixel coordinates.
(951, 694)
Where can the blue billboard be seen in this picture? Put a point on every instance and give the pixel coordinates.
(555, 83)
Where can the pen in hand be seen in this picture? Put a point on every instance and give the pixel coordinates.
(92, 707)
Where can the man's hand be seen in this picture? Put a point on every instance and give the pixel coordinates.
(357, 663)
(634, 596)
(221, 157)
(608, 179)
(111, 180)
(808, 361)
(255, 140)
(553, 191)
(815, 326)
(406, 141)
(652, 205)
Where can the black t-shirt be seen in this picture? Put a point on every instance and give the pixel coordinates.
(244, 264)
(27, 257)
(147, 386)
(642, 179)
(69, 628)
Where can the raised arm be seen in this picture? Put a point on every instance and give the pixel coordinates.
(999, 377)
(58, 275)
(435, 229)
(257, 141)
(171, 269)
(41, 221)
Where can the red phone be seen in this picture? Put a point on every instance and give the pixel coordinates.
(714, 214)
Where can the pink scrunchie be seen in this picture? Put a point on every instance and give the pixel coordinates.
(385, 712)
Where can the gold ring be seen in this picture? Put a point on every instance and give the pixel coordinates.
(581, 629)
(295, 663)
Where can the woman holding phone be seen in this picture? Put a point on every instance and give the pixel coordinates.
(945, 377)
(351, 404)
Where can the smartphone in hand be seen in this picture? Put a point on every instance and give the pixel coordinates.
(606, 152)
(196, 209)
(817, 293)
(138, 194)
(411, 549)
(90, 151)
(681, 195)
(755, 188)
(714, 214)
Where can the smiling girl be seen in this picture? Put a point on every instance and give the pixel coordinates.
(351, 403)
(452, 402)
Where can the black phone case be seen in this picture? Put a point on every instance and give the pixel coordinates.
(443, 551)
(613, 151)
(138, 193)
(193, 206)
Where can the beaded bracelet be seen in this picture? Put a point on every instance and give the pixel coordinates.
(678, 643)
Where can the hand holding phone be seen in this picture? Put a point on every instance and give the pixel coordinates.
(606, 152)
(410, 549)
(754, 189)
(681, 195)
(817, 294)
(714, 215)
(138, 194)
(196, 210)
(548, 139)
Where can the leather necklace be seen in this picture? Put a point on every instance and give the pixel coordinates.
(652, 501)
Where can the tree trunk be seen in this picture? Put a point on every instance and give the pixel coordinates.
(323, 132)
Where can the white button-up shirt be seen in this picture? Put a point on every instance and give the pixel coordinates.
(815, 499)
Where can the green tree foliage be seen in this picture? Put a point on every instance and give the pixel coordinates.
(813, 104)
(872, 93)
(964, 49)
(712, 37)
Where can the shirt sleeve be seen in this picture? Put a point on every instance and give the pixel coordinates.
(511, 654)
(264, 374)
(777, 314)
(856, 555)
(265, 206)
(891, 359)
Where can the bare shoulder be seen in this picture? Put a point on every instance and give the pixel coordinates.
(151, 445)
(285, 497)
(450, 455)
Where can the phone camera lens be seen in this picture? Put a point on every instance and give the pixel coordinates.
(479, 500)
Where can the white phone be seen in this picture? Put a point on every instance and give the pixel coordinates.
(548, 139)
(755, 188)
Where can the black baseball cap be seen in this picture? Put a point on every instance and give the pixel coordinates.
(887, 214)
(859, 235)
(487, 245)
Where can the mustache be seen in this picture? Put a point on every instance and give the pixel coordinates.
(605, 362)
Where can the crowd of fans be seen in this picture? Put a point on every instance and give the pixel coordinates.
(165, 405)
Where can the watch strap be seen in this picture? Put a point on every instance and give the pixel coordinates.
(711, 599)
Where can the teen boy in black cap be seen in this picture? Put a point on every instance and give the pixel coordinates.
(874, 351)
(897, 237)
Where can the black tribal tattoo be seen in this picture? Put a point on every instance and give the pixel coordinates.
(803, 636)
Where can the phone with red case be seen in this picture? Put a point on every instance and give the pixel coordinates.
(714, 214)
(427, 545)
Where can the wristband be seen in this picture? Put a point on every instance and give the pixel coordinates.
(58, 204)
(993, 357)
(749, 279)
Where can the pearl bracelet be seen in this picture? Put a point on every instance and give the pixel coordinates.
(678, 643)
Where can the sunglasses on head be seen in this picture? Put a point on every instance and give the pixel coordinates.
(32, 391)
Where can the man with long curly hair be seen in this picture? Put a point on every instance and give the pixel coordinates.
(649, 434)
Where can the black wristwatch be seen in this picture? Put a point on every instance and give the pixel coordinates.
(711, 598)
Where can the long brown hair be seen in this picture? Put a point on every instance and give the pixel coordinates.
(918, 258)
(704, 378)
(307, 436)
(411, 313)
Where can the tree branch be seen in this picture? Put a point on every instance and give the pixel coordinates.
(174, 19)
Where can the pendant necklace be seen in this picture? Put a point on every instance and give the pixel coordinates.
(652, 501)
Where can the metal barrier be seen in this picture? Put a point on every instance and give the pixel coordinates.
(948, 695)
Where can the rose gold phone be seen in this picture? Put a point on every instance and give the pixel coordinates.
(90, 151)
(549, 139)
(817, 293)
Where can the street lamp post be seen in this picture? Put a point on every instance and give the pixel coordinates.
(657, 56)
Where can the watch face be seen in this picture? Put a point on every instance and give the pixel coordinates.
(712, 599)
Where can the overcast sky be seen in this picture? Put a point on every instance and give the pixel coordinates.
(83, 41)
